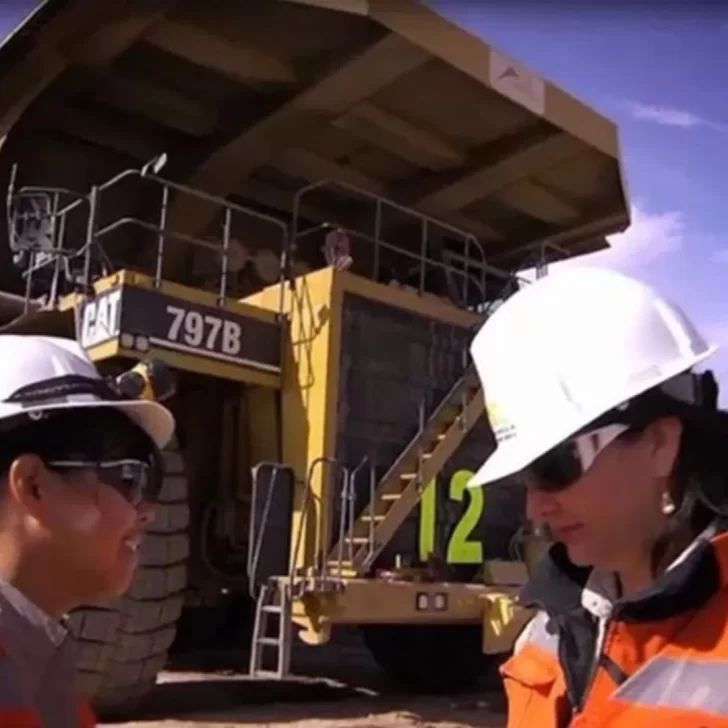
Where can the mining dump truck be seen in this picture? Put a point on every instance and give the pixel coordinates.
(305, 209)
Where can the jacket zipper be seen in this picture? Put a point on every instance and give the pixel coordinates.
(601, 641)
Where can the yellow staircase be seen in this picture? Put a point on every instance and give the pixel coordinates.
(399, 491)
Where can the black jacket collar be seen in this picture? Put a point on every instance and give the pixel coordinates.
(557, 584)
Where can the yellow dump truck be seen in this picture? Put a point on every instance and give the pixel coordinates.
(305, 208)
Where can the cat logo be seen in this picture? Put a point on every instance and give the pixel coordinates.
(100, 318)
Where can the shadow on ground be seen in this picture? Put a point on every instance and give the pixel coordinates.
(246, 702)
(338, 685)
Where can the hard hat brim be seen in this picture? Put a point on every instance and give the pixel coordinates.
(515, 455)
(155, 419)
(503, 462)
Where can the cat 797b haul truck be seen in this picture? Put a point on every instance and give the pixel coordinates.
(305, 209)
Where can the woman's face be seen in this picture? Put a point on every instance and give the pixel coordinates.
(613, 513)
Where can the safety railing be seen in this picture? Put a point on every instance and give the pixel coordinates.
(468, 265)
(347, 514)
(310, 521)
(308, 510)
(53, 216)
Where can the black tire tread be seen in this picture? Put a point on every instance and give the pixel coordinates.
(124, 645)
(429, 658)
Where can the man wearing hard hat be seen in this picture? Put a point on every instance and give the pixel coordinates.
(596, 407)
(80, 465)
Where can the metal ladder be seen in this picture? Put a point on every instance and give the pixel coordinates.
(400, 489)
(276, 598)
(272, 600)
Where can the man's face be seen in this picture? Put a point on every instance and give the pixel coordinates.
(94, 530)
(83, 517)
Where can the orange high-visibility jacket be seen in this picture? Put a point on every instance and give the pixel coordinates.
(37, 669)
(661, 656)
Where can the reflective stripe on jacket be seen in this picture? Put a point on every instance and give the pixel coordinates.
(37, 669)
(663, 659)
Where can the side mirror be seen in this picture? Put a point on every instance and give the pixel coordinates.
(30, 221)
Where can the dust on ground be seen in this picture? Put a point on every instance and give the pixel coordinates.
(216, 693)
(335, 686)
(196, 700)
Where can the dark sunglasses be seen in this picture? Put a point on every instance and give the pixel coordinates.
(564, 464)
(134, 480)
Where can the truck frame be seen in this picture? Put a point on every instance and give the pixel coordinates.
(310, 244)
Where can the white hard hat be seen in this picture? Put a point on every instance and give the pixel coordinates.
(568, 348)
(45, 374)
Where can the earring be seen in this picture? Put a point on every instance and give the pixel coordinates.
(667, 505)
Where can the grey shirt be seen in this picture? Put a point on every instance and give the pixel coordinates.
(41, 659)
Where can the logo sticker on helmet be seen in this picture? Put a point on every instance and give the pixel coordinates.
(502, 428)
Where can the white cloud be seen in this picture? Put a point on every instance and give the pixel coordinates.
(672, 116)
(649, 237)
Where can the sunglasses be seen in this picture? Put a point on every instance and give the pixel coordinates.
(134, 480)
(564, 464)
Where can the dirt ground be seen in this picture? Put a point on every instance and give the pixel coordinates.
(194, 700)
(360, 697)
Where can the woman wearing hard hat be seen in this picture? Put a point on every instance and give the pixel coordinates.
(592, 395)
(79, 466)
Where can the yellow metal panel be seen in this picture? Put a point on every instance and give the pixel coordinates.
(262, 426)
(309, 364)
(200, 365)
(426, 305)
(383, 601)
(103, 284)
(196, 295)
(104, 351)
(311, 373)
(333, 365)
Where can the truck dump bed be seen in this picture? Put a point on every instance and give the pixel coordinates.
(253, 101)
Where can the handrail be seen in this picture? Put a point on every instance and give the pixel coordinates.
(57, 214)
(307, 496)
(163, 232)
(467, 238)
(259, 529)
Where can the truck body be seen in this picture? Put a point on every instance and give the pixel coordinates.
(306, 209)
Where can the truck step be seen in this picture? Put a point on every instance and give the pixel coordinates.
(273, 599)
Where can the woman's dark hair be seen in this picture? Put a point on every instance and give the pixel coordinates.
(700, 487)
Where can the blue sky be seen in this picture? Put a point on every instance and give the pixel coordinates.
(661, 75)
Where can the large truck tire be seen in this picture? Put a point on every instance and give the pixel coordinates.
(430, 658)
(124, 645)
